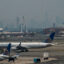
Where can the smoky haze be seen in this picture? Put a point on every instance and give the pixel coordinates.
(37, 13)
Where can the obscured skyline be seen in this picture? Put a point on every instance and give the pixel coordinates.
(37, 13)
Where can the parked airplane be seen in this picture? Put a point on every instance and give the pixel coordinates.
(6, 54)
(23, 46)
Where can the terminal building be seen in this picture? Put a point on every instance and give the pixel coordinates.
(1, 29)
(59, 31)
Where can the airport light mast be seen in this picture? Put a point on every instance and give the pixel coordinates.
(23, 25)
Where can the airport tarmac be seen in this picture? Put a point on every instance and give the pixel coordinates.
(56, 56)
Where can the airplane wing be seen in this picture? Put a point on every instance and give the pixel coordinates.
(7, 56)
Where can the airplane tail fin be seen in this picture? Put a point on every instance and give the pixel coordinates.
(9, 47)
(7, 51)
(51, 38)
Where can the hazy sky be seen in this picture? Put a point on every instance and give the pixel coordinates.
(35, 11)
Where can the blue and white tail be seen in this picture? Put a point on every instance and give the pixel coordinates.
(9, 47)
(7, 51)
(51, 38)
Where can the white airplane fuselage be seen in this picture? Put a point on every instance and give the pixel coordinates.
(27, 44)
